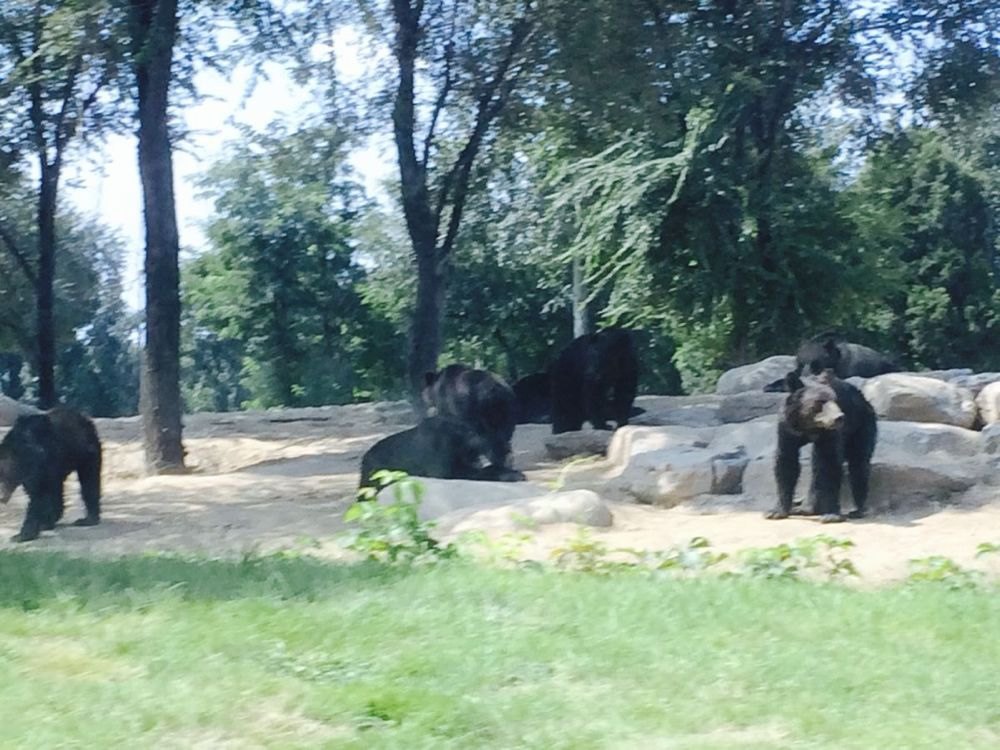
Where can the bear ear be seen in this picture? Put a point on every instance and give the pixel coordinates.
(429, 378)
(793, 382)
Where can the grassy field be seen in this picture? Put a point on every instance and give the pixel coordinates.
(168, 653)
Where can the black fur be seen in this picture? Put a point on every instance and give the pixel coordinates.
(438, 447)
(594, 379)
(829, 351)
(481, 400)
(534, 394)
(851, 438)
(38, 453)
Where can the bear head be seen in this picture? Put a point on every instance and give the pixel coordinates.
(818, 355)
(811, 406)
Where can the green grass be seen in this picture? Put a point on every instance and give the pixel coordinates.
(284, 653)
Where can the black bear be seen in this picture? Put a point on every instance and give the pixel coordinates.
(829, 351)
(534, 394)
(39, 452)
(481, 400)
(534, 399)
(439, 447)
(840, 423)
(594, 379)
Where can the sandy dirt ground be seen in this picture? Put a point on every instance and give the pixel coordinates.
(263, 481)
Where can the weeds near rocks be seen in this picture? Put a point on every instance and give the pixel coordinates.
(944, 570)
(820, 555)
(582, 553)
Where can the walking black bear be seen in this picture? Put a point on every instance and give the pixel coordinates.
(39, 452)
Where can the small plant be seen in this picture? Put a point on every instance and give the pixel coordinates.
(822, 555)
(393, 532)
(987, 548)
(693, 557)
(584, 554)
(941, 569)
(504, 549)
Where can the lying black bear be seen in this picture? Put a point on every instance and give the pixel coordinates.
(534, 400)
(481, 400)
(828, 351)
(439, 447)
(594, 379)
(38, 453)
(840, 423)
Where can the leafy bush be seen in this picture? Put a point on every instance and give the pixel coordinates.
(822, 555)
(941, 569)
(393, 532)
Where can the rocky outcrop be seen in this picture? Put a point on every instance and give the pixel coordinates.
(988, 403)
(754, 377)
(914, 398)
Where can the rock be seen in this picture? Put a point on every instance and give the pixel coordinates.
(11, 409)
(578, 443)
(989, 439)
(727, 472)
(975, 382)
(631, 442)
(914, 398)
(946, 375)
(575, 506)
(690, 415)
(443, 496)
(988, 403)
(754, 377)
(927, 438)
(742, 407)
(914, 463)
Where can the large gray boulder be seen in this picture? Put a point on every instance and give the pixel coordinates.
(749, 405)
(443, 496)
(577, 443)
(755, 376)
(690, 411)
(914, 463)
(913, 398)
(575, 506)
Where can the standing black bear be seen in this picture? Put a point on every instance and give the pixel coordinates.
(594, 379)
(840, 423)
(481, 400)
(39, 452)
(437, 447)
(829, 351)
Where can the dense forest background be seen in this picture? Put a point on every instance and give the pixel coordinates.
(726, 176)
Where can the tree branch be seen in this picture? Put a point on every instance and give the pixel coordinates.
(15, 251)
(446, 87)
(454, 186)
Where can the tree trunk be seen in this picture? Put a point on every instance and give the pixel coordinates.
(154, 33)
(45, 336)
(428, 311)
(581, 320)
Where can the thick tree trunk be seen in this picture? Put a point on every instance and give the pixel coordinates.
(428, 312)
(155, 30)
(45, 336)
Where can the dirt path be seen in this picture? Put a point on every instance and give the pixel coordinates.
(270, 480)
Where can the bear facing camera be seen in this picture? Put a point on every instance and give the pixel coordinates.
(841, 425)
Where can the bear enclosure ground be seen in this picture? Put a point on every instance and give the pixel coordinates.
(264, 481)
